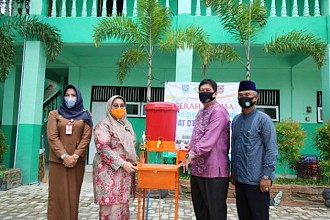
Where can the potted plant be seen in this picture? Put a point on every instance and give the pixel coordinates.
(322, 143)
(290, 139)
(9, 178)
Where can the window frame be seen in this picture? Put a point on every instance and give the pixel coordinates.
(319, 115)
(277, 119)
(139, 109)
(143, 105)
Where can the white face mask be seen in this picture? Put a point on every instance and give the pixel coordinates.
(70, 101)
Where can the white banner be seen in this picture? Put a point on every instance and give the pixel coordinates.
(185, 95)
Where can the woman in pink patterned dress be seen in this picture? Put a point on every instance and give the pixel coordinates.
(113, 165)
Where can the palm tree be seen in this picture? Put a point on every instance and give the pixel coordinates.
(244, 21)
(29, 28)
(151, 29)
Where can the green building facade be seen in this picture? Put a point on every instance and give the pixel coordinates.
(291, 86)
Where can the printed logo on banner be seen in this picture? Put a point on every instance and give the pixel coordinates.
(185, 88)
(221, 89)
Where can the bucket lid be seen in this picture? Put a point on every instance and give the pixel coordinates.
(165, 106)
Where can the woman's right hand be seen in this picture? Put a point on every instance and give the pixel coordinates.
(128, 167)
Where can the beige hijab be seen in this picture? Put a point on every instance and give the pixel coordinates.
(124, 130)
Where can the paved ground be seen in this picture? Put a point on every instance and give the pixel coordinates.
(30, 202)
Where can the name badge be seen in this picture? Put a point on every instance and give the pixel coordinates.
(68, 129)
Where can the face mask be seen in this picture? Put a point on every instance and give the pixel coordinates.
(70, 101)
(245, 102)
(118, 113)
(206, 97)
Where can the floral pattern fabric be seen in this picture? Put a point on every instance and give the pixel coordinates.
(112, 184)
(114, 212)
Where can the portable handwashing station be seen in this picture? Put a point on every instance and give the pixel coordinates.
(159, 137)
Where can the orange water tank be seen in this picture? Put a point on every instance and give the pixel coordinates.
(161, 120)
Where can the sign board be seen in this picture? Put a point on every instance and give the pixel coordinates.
(185, 95)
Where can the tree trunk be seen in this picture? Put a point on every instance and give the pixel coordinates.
(149, 78)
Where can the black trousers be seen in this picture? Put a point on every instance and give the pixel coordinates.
(119, 5)
(251, 203)
(209, 197)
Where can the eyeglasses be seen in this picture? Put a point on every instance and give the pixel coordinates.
(115, 106)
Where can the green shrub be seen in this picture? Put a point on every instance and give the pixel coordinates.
(3, 146)
(290, 139)
(300, 181)
(322, 143)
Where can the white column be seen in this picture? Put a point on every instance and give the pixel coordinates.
(7, 11)
(306, 8)
(167, 4)
(273, 9)
(198, 8)
(94, 8)
(14, 8)
(295, 9)
(184, 7)
(124, 8)
(283, 9)
(73, 10)
(36, 7)
(135, 8)
(317, 8)
(104, 8)
(114, 8)
(54, 8)
(84, 9)
(208, 11)
(63, 11)
(262, 2)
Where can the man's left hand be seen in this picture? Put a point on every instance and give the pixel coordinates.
(265, 185)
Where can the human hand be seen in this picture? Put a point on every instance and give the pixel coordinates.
(76, 157)
(185, 164)
(265, 185)
(128, 167)
(69, 161)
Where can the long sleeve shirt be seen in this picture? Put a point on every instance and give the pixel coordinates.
(209, 144)
(253, 147)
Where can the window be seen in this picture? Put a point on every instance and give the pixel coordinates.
(319, 115)
(319, 106)
(269, 102)
(133, 109)
(136, 97)
(272, 111)
(143, 111)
